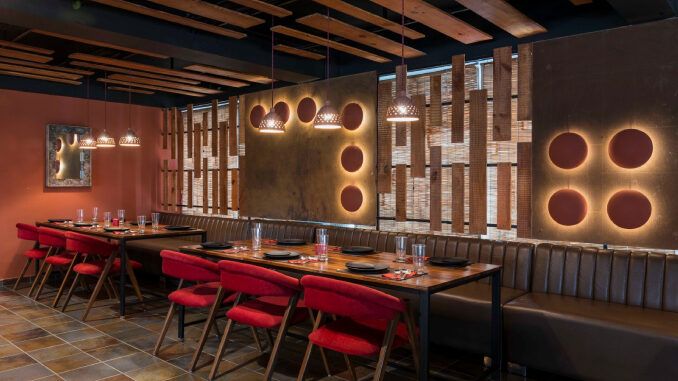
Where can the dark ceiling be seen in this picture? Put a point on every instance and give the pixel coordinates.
(185, 45)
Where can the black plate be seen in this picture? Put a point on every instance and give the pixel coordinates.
(135, 223)
(177, 227)
(83, 224)
(58, 219)
(357, 250)
(116, 229)
(448, 261)
(291, 242)
(216, 245)
(281, 254)
(365, 267)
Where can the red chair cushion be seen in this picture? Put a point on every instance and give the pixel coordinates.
(188, 267)
(200, 295)
(39, 253)
(60, 260)
(97, 267)
(266, 312)
(348, 336)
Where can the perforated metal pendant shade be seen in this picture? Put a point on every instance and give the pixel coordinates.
(402, 110)
(272, 123)
(87, 142)
(130, 139)
(105, 140)
(327, 118)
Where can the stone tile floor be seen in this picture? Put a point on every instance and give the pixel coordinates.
(38, 342)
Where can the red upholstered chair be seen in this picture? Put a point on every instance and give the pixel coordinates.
(29, 233)
(193, 269)
(276, 303)
(366, 322)
(55, 239)
(99, 260)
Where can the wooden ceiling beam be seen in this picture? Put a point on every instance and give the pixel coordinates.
(371, 18)
(207, 69)
(27, 48)
(152, 87)
(133, 72)
(43, 66)
(298, 52)
(156, 69)
(361, 36)
(333, 44)
(24, 56)
(264, 7)
(212, 11)
(169, 17)
(130, 90)
(42, 77)
(32, 70)
(437, 19)
(505, 16)
(97, 43)
(157, 82)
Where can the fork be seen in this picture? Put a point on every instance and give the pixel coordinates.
(396, 274)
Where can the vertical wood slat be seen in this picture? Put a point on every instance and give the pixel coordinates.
(232, 126)
(418, 139)
(235, 201)
(189, 196)
(173, 133)
(401, 192)
(524, 190)
(165, 185)
(165, 121)
(189, 131)
(241, 123)
(435, 214)
(197, 150)
(501, 94)
(215, 192)
(401, 134)
(215, 128)
(458, 197)
(478, 162)
(384, 153)
(223, 167)
(205, 129)
(458, 95)
(435, 112)
(173, 190)
(504, 196)
(525, 81)
(205, 187)
(401, 78)
(401, 85)
(180, 156)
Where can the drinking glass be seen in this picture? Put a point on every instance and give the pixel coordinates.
(80, 215)
(321, 247)
(121, 216)
(95, 213)
(141, 224)
(418, 257)
(256, 236)
(320, 231)
(401, 248)
(107, 219)
(155, 221)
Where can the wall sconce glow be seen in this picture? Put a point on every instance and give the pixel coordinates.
(630, 148)
(568, 150)
(629, 209)
(272, 123)
(567, 207)
(130, 139)
(402, 110)
(327, 118)
(105, 140)
(87, 142)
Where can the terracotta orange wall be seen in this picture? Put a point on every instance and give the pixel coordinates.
(122, 177)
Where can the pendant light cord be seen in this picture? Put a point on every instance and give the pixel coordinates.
(272, 78)
(327, 59)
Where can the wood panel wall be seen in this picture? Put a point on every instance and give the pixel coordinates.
(223, 167)
(458, 98)
(232, 126)
(384, 140)
(458, 185)
(401, 84)
(235, 190)
(180, 156)
(197, 150)
(173, 133)
(205, 129)
(189, 130)
(525, 81)
(478, 162)
(436, 188)
(524, 190)
(501, 94)
(165, 122)
(436, 110)
(165, 185)
(401, 192)
(418, 139)
(205, 185)
(189, 196)
(215, 128)
(504, 196)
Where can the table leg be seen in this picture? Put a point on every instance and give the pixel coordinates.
(496, 327)
(424, 310)
(180, 326)
(123, 276)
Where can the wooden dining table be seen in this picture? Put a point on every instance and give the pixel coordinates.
(436, 279)
(122, 238)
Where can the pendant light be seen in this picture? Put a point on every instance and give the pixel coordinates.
(130, 139)
(105, 140)
(402, 109)
(272, 122)
(87, 141)
(327, 117)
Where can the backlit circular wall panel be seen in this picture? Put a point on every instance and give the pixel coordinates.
(630, 148)
(352, 116)
(629, 209)
(352, 158)
(567, 207)
(283, 111)
(306, 110)
(568, 150)
(256, 115)
(351, 198)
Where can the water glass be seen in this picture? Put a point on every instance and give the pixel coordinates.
(401, 248)
(418, 257)
(141, 224)
(107, 219)
(320, 231)
(95, 213)
(121, 216)
(321, 247)
(256, 236)
(155, 219)
(80, 215)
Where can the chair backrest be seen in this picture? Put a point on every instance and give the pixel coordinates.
(26, 231)
(349, 299)
(255, 280)
(189, 267)
(52, 237)
(81, 243)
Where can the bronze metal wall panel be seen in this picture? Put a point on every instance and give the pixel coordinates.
(232, 126)
(197, 150)
(501, 94)
(458, 95)
(223, 167)
(401, 192)
(298, 174)
(189, 195)
(205, 185)
(401, 133)
(189, 131)
(173, 133)
(478, 162)
(436, 109)
(418, 139)
(235, 189)
(436, 188)
(205, 129)
(504, 196)
(215, 127)
(525, 81)
(458, 197)
(384, 139)
(524, 191)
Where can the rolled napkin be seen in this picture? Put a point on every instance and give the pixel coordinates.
(334, 249)
(409, 259)
(302, 261)
(400, 277)
(270, 242)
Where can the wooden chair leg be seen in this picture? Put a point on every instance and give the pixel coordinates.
(133, 280)
(269, 338)
(412, 338)
(100, 283)
(282, 332)
(48, 272)
(165, 327)
(386, 346)
(326, 364)
(309, 348)
(107, 288)
(220, 351)
(351, 369)
(40, 270)
(70, 291)
(255, 335)
(55, 303)
(206, 329)
(23, 272)
(112, 286)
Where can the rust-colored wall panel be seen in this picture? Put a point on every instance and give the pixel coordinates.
(232, 126)
(524, 190)
(197, 150)
(501, 94)
(165, 122)
(173, 133)
(401, 133)
(418, 139)
(242, 122)
(436, 188)
(205, 186)
(189, 196)
(458, 197)
(223, 167)
(458, 92)
(436, 109)
(205, 129)
(478, 162)
(401, 192)
(235, 191)
(215, 192)
(180, 156)
(215, 127)
(504, 196)
(525, 81)
(384, 140)
(165, 184)
(189, 131)
(173, 190)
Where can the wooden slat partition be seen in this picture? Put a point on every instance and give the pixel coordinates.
(173, 190)
(205, 129)
(401, 192)
(457, 197)
(24, 55)
(205, 186)
(435, 213)
(418, 139)
(501, 94)
(504, 196)
(197, 150)
(189, 130)
(165, 185)
(401, 134)
(525, 81)
(384, 141)
(180, 155)
(165, 121)
(298, 52)
(264, 6)
(223, 167)
(478, 162)
(189, 196)
(211, 11)
(436, 109)
(401, 85)
(458, 95)
(524, 190)
(28, 48)
(173, 132)
(215, 192)
(232, 126)
(215, 128)
(235, 192)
